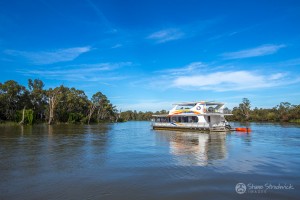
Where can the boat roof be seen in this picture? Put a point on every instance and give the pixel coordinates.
(195, 102)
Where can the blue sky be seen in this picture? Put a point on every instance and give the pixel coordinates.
(146, 55)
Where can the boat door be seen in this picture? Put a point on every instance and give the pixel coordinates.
(209, 121)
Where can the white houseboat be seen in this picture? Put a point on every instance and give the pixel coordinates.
(202, 115)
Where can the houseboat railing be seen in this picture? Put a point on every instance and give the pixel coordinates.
(221, 111)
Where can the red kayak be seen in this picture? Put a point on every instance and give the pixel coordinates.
(243, 129)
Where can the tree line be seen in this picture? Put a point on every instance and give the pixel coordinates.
(130, 115)
(35, 104)
(32, 104)
(284, 112)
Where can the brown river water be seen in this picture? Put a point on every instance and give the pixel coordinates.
(132, 161)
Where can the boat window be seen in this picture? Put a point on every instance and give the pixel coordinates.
(185, 119)
(192, 119)
(210, 109)
(186, 107)
(162, 119)
(174, 119)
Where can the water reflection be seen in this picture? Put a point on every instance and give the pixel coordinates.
(30, 150)
(195, 149)
(246, 137)
(132, 161)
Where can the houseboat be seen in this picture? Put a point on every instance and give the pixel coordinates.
(198, 116)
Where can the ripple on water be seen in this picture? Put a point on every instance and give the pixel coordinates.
(132, 161)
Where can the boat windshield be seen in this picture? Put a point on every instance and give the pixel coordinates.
(184, 107)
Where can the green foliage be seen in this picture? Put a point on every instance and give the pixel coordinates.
(75, 118)
(284, 112)
(84, 120)
(29, 116)
(18, 116)
(101, 110)
(38, 98)
(69, 105)
(13, 97)
(244, 108)
(121, 120)
(139, 116)
(295, 121)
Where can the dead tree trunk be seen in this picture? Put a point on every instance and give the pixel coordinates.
(91, 111)
(98, 115)
(118, 115)
(53, 101)
(51, 113)
(23, 116)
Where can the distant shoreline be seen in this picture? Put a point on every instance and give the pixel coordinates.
(10, 123)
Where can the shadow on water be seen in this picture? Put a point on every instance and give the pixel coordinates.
(195, 149)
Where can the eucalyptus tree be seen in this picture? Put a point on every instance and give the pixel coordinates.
(295, 113)
(284, 109)
(127, 115)
(67, 104)
(13, 97)
(245, 108)
(100, 109)
(96, 103)
(105, 109)
(74, 105)
(38, 97)
(54, 97)
(109, 112)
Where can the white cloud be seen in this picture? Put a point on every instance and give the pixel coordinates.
(191, 68)
(189, 30)
(83, 72)
(49, 57)
(276, 76)
(288, 63)
(166, 35)
(199, 76)
(116, 46)
(254, 52)
(230, 81)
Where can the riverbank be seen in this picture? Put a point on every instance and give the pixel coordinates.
(10, 123)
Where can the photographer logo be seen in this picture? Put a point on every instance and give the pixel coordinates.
(240, 188)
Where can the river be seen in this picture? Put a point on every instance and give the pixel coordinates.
(132, 161)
